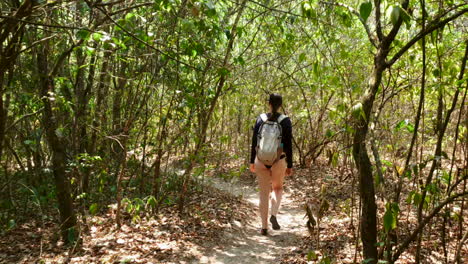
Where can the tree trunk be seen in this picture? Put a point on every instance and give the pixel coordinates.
(102, 90)
(11, 31)
(2, 116)
(67, 214)
(363, 164)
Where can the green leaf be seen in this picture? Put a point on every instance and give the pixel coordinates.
(71, 235)
(97, 36)
(388, 220)
(129, 208)
(151, 202)
(210, 10)
(394, 14)
(325, 260)
(316, 68)
(59, 132)
(240, 60)
(11, 224)
(417, 198)
(29, 142)
(93, 208)
(83, 34)
(311, 256)
(358, 112)
(387, 163)
(390, 217)
(223, 71)
(365, 9)
(406, 18)
(90, 51)
(302, 57)
(307, 10)
(410, 127)
(129, 16)
(228, 33)
(404, 124)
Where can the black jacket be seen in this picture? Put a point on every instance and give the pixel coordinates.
(286, 139)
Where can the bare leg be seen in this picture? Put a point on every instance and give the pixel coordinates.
(264, 184)
(277, 172)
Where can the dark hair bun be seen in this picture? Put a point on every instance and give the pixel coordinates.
(275, 100)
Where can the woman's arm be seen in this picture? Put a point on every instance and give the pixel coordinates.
(253, 150)
(287, 141)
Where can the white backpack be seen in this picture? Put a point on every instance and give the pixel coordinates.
(269, 140)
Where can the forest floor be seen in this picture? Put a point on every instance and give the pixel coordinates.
(222, 226)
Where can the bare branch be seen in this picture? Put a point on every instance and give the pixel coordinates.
(21, 118)
(35, 43)
(46, 25)
(275, 9)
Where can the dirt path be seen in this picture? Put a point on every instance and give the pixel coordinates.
(244, 244)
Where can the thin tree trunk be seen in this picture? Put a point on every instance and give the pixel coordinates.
(102, 89)
(120, 178)
(366, 181)
(2, 116)
(83, 135)
(423, 83)
(67, 213)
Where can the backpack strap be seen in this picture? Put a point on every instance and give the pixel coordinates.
(264, 117)
(281, 118)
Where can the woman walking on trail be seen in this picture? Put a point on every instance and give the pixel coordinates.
(271, 158)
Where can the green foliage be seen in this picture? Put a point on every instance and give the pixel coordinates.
(393, 14)
(155, 96)
(404, 124)
(93, 208)
(72, 235)
(365, 10)
(308, 10)
(390, 216)
(312, 256)
(83, 34)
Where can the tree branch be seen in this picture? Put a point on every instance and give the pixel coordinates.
(431, 27)
(131, 7)
(144, 42)
(47, 25)
(387, 40)
(21, 118)
(378, 23)
(426, 220)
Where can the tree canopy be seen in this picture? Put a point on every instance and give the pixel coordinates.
(109, 101)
